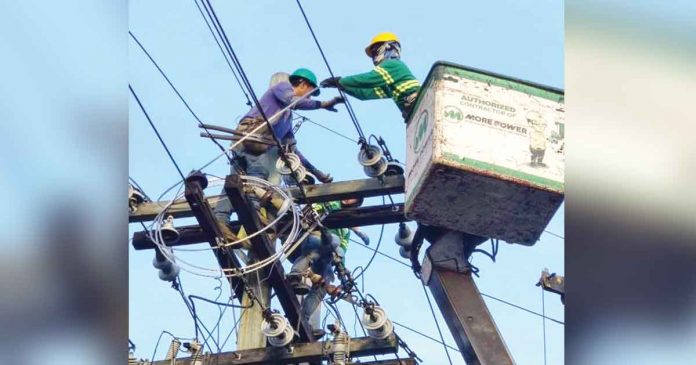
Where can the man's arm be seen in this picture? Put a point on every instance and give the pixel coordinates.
(284, 93)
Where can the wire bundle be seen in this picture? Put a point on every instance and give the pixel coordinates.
(289, 244)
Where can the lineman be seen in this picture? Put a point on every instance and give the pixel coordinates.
(390, 78)
(317, 253)
(259, 159)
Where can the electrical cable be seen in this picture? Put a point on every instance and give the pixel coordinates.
(233, 329)
(281, 152)
(349, 107)
(200, 122)
(224, 55)
(543, 321)
(305, 119)
(554, 234)
(177, 285)
(424, 335)
(442, 338)
(154, 352)
(157, 133)
(483, 294)
(379, 242)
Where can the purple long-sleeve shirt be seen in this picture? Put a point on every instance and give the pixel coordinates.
(274, 100)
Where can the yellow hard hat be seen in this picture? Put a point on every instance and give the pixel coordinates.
(379, 38)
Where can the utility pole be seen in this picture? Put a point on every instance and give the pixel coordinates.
(445, 271)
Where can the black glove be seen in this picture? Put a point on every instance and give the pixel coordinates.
(329, 104)
(331, 82)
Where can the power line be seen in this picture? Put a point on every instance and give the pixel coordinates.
(554, 234)
(379, 242)
(157, 132)
(524, 309)
(483, 294)
(224, 55)
(424, 335)
(442, 338)
(200, 122)
(305, 119)
(349, 107)
(281, 152)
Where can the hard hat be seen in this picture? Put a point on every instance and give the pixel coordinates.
(308, 76)
(379, 38)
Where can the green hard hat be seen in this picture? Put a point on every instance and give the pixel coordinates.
(308, 76)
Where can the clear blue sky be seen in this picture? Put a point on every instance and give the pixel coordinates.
(523, 39)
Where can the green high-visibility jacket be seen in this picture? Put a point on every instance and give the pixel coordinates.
(342, 233)
(390, 79)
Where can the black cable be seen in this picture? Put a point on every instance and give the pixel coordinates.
(305, 119)
(381, 253)
(224, 55)
(424, 335)
(485, 295)
(442, 338)
(524, 309)
(349, 107)
(200, 122)
(157, 344)
(554, 234)
(379, 242)
(247, 83)
(179, 288)
(233, 328)
(157, 133)
(218, 303)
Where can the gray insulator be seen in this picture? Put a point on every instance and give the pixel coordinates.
(340, 349)
(278, 330)
(173, 349)
(169, 233)
(370, 155)
(404, 236)
(377, 169)
(404, 252)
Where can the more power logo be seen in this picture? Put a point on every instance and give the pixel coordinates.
(497, 124)
(421, 129)
(453, 113)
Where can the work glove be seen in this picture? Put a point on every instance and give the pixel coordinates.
(331, 82)
(329, 104)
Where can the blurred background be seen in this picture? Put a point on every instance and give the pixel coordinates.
(630, 211)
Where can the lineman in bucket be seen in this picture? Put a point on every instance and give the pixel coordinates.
(390, 78)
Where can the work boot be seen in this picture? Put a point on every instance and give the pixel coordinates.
(298, 284)
(318, 333)
(227, 234)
